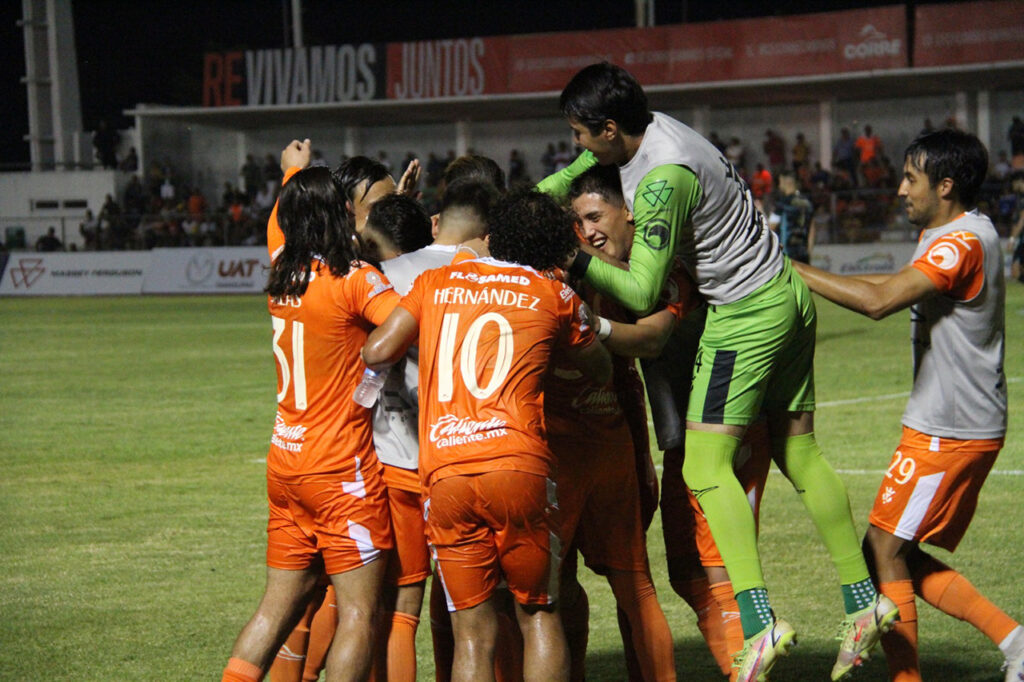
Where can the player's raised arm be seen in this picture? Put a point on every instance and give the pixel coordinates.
(557, 184)
(387, 343)
(294, 157)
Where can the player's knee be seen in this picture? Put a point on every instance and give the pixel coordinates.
(883, 546)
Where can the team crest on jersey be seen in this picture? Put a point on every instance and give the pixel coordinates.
(656, 234)
(376, 283)
(944, 256)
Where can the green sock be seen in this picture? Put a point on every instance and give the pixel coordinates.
(858, 596)
(755, 611)
(824, 497)
(707, 469)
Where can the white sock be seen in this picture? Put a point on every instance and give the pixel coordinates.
(1007, 644)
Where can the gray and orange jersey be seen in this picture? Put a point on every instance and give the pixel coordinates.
(958, 335)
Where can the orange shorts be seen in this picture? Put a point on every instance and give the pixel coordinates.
(485, 527)
(410, 562)
(599, 501)
(930, 490)
(316, 515)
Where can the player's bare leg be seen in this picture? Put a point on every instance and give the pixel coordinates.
(358, 594)
(284, 601)
(545, 652)
(475, 630)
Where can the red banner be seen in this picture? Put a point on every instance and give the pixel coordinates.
(857, 40)
(969, 33)
(542, 62)
(462, 67)
(797, 46)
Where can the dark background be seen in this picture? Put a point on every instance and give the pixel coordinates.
(151, 51)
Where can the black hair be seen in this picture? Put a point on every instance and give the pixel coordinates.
(357, 169)
(785, 173)
(529, 228)
(601, 180)
(953, 154)
(402, 220)
(312, 216)
(474, 167)
(469, 192)
(604, 91)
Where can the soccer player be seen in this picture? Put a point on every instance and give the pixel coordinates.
(363, 182)
(465, 209)
(955, 420)
(328, 505)
(590, 434)
(696, 571)
(756, 352)
(484, 463)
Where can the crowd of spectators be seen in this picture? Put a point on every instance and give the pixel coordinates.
(855, 200)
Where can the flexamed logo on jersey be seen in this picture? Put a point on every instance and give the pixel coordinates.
(28, 271)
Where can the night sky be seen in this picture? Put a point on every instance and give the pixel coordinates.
(151, 51)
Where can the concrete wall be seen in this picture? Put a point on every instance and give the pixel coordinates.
(20, 192)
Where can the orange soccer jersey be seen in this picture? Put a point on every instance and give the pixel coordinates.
(487, 330)
(317, 338)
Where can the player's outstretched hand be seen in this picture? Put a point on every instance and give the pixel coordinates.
(296, 154)
(409, 183)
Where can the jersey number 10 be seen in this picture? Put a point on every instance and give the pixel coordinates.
(468, 356)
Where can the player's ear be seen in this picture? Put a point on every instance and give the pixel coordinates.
(610, 129)
(945, 188)
(629, 214)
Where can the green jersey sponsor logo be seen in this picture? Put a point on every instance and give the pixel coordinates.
(657, 193)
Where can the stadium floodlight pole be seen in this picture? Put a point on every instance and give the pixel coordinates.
(644, 13)
(297, 23)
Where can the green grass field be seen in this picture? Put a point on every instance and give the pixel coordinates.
(132, 432)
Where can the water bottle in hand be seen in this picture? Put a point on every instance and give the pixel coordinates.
(369, 388)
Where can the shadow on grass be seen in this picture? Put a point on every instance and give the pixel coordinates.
(693, 662)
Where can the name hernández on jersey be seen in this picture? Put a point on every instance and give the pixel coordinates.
(502, 297)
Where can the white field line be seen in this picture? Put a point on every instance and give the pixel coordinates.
(887, 396)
